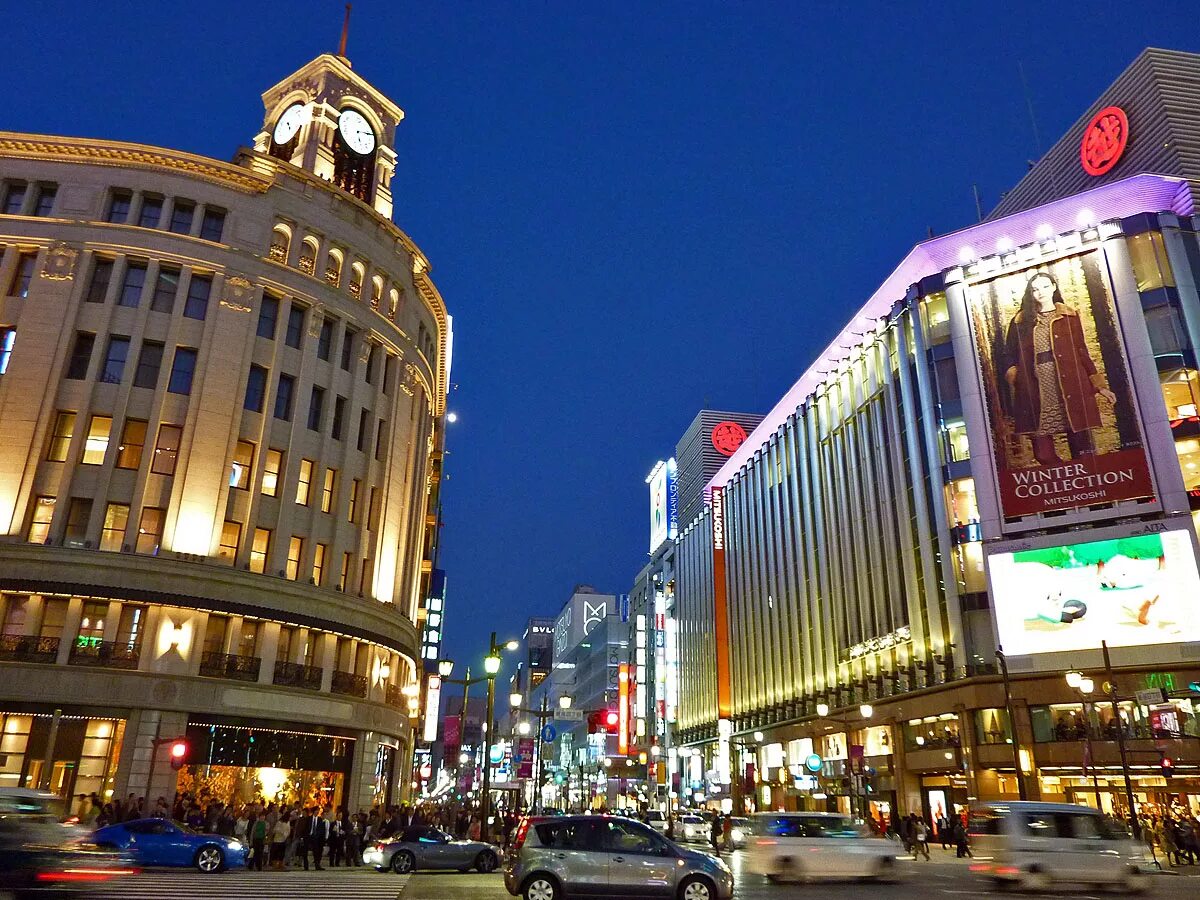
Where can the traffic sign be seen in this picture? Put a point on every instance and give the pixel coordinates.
(549, 733)
(569, 715)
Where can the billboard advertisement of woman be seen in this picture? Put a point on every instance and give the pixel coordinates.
(1062, 417)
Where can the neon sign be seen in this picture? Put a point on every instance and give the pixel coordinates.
(1104, 140)
(727, 437)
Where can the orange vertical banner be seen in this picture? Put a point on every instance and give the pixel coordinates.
(721, 605)
(623, 709)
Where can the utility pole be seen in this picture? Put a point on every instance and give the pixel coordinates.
(1112, 693)
(1012, 724)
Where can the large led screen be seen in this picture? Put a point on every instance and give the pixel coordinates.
(1063, 423)
(1129, 591)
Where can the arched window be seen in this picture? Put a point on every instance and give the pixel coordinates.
(357, 273)
(393, 304)
(333, 267)
(376, 291)
(308, 256)
(281, 241)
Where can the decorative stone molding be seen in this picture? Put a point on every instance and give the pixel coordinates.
(238, 289)
(315, 321)
(61, 260)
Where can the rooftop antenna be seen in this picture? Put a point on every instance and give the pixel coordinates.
(1037, 137)
(345, 33)
(978, 202)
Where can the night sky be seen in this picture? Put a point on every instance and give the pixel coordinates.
(632, 210)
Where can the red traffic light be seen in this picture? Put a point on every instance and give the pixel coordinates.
(1168, 766)
(611, 719)
(178, 752)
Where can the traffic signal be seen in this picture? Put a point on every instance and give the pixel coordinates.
(178, 752)
(611, 721)
(1167, 766)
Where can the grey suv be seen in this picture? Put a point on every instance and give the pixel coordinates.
(579, 856)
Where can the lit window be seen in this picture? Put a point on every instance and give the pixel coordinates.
(333, 268)
(39, 526)
(150, 530)
(133, 439)
(60, 440)
(259, 550)
(243, 464)
(308, 257)
(116, 520)
(957, 449)
(344, 575)
(327, 490)
(357, 274)
(320, 551)
(1181, 392)
(280, 240)
(231, 536)
(96, 444)
(272, 465)
(304, 481)
(295, 552)
(353, 506)
(1189, 462)
(8, 337)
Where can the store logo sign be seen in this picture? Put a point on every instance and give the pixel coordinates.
(727, 437)
(718, 519)
(1104, 140)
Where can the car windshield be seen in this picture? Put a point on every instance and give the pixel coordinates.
(809, 826)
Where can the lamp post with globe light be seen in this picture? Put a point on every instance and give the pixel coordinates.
(542, 714)
(865, 711)
(491, 666)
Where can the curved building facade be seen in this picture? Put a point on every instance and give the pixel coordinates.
(221, 389)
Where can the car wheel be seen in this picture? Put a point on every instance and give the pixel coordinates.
(541, 887)
(403, 862)
(1135, 883)
(886, 873)
(209, 859)
(1036, 881)
(786, 871)
(485, 862)
(697, 888)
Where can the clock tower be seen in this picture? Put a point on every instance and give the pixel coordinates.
(327, 120)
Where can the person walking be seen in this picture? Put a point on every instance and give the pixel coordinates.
(337, 840)
(961, 841)
(303, 831)
(920, 837)
(258, 842)
(715, 834)
(354, 840)
(279, 841)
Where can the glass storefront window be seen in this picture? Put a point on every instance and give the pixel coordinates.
(1078, 721)
(1181, 392)
(936, 319)
(1189, 461)
(991, 726)
(1150, 264)
(956, 447)
(968, 567)
(960, 501)
(932, 732)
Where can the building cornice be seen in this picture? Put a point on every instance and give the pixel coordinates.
(120, 154)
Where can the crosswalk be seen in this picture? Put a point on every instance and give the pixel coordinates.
(166, 884)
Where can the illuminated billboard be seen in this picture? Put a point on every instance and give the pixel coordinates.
(1133, 590)
(1063, 423)
(664, 504)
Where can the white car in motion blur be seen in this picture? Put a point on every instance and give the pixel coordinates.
(693, 828)
(791, 846)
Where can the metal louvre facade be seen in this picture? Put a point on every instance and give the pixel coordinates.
(694, 610)
(835, 538)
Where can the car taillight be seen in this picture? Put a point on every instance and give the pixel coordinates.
(379, 845)
(522, 832)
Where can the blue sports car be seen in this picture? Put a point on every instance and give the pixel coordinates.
(157, 842)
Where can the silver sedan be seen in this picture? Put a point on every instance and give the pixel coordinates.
(431, 848)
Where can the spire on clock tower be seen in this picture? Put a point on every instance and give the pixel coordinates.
(328, 120)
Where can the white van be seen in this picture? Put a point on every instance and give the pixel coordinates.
(1036, 845)
(791, 846)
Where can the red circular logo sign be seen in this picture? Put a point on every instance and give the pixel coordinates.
(727, 437)
(1104, 140)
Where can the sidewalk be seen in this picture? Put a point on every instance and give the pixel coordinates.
(940, 857)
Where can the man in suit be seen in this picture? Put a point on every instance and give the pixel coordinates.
(303, 829)
(318, 837)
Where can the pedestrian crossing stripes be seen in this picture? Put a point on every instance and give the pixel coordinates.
(158, 884)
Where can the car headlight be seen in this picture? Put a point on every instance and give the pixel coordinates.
(235, 845)
(737, 834)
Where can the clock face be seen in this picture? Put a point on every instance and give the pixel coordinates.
(289, 123)
(356, 131)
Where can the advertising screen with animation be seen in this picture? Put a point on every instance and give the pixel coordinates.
(1129, 591)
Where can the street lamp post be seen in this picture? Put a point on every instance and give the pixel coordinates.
(1012, 724)
(542, 714)
(1085, 686)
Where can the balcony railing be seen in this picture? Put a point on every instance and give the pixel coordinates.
(349, 683)
(297, 675)
(28, 648)
(395, 697)
(229, 665)
(108, 654)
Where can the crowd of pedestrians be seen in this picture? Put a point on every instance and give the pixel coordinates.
(280, 835)
(1176, 835)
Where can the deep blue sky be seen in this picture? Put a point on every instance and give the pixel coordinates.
(630, 209)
